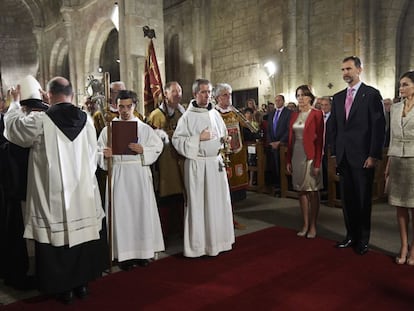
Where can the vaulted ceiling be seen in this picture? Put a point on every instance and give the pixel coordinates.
(18, 45)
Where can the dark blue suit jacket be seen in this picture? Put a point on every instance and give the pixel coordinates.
(362, 135)
(282, 128)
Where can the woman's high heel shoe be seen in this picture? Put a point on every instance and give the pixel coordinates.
(301, 233)
(401, 260)
(410, 261)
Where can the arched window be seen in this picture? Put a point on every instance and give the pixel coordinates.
(109, 59)
(173, 59)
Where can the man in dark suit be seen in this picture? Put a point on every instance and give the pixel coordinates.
(387, 107)
(326, 105)
(278, 132)
(358, 128)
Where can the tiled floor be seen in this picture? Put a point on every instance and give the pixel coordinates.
(260, 211)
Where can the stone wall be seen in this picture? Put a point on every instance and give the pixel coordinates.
(59, 34)
(221, 40)
(132, 44)
(180, 56)
(307, 41)
(243, 36)
(18, 46)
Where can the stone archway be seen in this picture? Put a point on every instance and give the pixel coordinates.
(18, 44)
(172, 61)
(109, 59)
(63, 62)
(58, 59)
(98, 35)
(35, 10)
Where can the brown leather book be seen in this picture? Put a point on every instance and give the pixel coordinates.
(123, 133)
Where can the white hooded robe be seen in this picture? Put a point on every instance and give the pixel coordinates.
(208, 218)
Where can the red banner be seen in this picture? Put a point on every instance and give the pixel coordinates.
(153, 92)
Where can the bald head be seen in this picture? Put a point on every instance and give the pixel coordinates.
(59, 90)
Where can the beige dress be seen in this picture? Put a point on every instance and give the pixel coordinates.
(302, 180)
(401, 178)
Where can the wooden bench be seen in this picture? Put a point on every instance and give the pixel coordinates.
(285, 187)
(334, 199)
(256, 171)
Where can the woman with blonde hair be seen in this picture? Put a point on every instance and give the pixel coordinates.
(251, 103)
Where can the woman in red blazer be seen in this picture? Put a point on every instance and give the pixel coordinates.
(304, 157)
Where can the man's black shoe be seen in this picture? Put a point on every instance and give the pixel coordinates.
(345, 243)
(361, 249)
(66, 297)
(126, 265)
(143, 262)
(82, 291)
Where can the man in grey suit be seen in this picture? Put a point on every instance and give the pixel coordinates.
(357, 131)
(278, 132)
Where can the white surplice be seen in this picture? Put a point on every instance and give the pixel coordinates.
(136, 223)
(63, 205)
(208, 218)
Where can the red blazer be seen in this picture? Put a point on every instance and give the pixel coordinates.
(312, 137)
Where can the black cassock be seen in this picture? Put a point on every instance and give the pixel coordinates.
(14, 261)
(2, 199)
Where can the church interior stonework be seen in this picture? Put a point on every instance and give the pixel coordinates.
(219, 190)
(270, 46)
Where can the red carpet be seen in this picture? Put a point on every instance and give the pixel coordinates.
(268, 270)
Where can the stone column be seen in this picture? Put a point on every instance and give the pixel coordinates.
(304, 31)
(372, 33)
(365, 38)
(290, 47)
(200, 39)
(133, 15)
(42, 56)
(75, 66)
(196, 41)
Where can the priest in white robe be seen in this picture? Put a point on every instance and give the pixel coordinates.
(208, 219)
(137, 233)
(63, 206)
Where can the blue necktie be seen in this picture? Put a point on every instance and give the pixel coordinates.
(275, 119)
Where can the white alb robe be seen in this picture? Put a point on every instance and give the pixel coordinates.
(63, 204)
(136, 223)
(208, 218)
